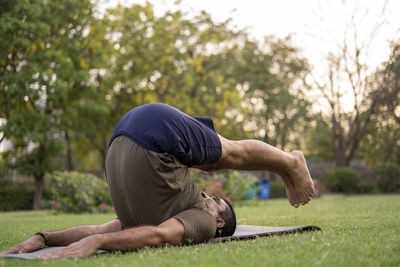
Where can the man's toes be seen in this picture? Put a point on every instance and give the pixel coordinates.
(309, 192)
(289, 198)
(304, 199)
(312, 190)
(293, 201)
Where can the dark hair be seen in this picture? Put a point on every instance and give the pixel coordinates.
(229, 217)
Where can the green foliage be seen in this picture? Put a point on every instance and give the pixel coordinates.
(15, 198)
(76, 192)
(68, 77)
(277, 189)
(43, 78)
(271, 75)
(345, 180)
(382, 141)
(366, 187)
(231, 185)
(183, 62)
(318, 139)
(389, 177)
(138, 58)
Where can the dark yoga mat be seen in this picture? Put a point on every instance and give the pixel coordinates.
(242, 232)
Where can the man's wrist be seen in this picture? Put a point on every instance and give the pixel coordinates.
(99, 240)
(44, 236)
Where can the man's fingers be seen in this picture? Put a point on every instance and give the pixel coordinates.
(62, 254)
(32, 244)
(48, 256)
(53, 255)
(45, 257)
(6, 252)
(23, 250)
(13, 250)
(27, 249)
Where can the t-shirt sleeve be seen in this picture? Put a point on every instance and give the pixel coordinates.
(200, 226)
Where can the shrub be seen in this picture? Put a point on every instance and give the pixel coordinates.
(345, 180)
(232, 185)
(76, 192)
(389, 177)
(368, 187)
(277, 189)
(15, 198)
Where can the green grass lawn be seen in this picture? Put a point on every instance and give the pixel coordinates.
(357, 231)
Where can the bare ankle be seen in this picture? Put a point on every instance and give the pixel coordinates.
(293, 160)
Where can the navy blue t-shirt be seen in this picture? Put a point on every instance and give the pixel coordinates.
(165, 129)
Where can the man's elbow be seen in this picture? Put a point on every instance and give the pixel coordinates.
(157, 238)
(163, 237)
(170, 232)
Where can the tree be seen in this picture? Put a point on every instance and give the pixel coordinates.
(382, 142)
(272, 76)
(170, 59)
(348, 86)
(391, 84)
(194, 63)
(43, 73)
(318, 143)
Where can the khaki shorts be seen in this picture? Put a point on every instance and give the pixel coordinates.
(144, 185)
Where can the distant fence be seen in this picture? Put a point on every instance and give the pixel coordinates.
(12, 178)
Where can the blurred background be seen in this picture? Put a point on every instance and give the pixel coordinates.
(319, 76)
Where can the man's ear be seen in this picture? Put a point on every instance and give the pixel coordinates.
(220, 223)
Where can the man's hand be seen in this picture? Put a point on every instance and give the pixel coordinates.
(83, 248)
(32, 244)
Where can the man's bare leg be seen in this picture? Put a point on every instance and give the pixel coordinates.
(257, 155)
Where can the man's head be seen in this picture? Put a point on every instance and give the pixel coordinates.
(224, 213)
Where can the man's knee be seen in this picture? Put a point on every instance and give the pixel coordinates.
(233, 155)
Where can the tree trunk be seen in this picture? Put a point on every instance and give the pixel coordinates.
(39, 177)
(104, 146)
(38, 193)
(340, 161)
(340, 152)
(338, 142)
(103, 156)
(70, 164)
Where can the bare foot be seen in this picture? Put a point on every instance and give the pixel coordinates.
(297, 178)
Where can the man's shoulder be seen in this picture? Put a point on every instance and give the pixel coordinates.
(200, 225)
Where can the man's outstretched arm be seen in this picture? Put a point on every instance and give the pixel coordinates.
(63, 237)
(169, 232)
(73, 234)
